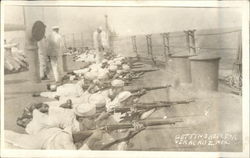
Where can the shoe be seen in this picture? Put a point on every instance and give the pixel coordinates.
(48, 87)
(45, 78)
(57, 97)
(37, 94)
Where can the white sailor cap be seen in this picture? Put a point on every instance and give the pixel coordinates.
(118, 63)
(112, 68)
(55, 27)
(97, 99)
(117, 83)
(125, 67)
(85, 109)
(99, 28)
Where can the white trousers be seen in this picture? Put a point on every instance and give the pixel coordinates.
(56, 64)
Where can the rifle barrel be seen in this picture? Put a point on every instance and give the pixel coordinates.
(157, 87)
(165, 103)
(152, 106)
(132, 90)
(159, 122)
(121, 109)
(145, 70)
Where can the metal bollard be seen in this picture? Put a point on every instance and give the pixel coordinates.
(181, 65)
(33, 35)
(205, 72)
(33, 60)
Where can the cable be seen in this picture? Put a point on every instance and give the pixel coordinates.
(218, 33)
(217, 48)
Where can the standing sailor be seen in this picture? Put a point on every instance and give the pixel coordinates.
(55, 43)
(105, 40)
(98, 45)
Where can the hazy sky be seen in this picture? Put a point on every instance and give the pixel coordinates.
(125, 20)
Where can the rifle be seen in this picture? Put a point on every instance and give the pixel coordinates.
(148, 88)
(131, 134)
(145, 70)
(136, 110)
(145, 123)
(148, 106)
(106, 85)
(137, 64)
(82, 135)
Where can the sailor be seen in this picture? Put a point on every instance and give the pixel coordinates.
(53, 128)
(55, 46)
(65, 90)
(98, 45)
(13, 60)
(105, 40)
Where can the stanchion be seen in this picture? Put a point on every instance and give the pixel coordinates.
(149, 48)
(190, 41)
(192, 44)
(166, 52)
(133, 38)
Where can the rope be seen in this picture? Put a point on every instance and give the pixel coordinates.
(121, 39)
(176, 36)
(218, 33)
(217, 48)
(179, 46)
(161, 46)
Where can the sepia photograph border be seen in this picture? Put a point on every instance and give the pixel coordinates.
(244, 5)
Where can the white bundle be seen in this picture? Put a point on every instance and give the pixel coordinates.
(119, 71)
(125, 67)
(14, 60)
(110, 62)
(103, 74)
(90, 58)
(112, 68)
(95, 67)
(81, 71)
(81, 57)
(91, 75)
(118, 63)
(120, 58)
(72, 77)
